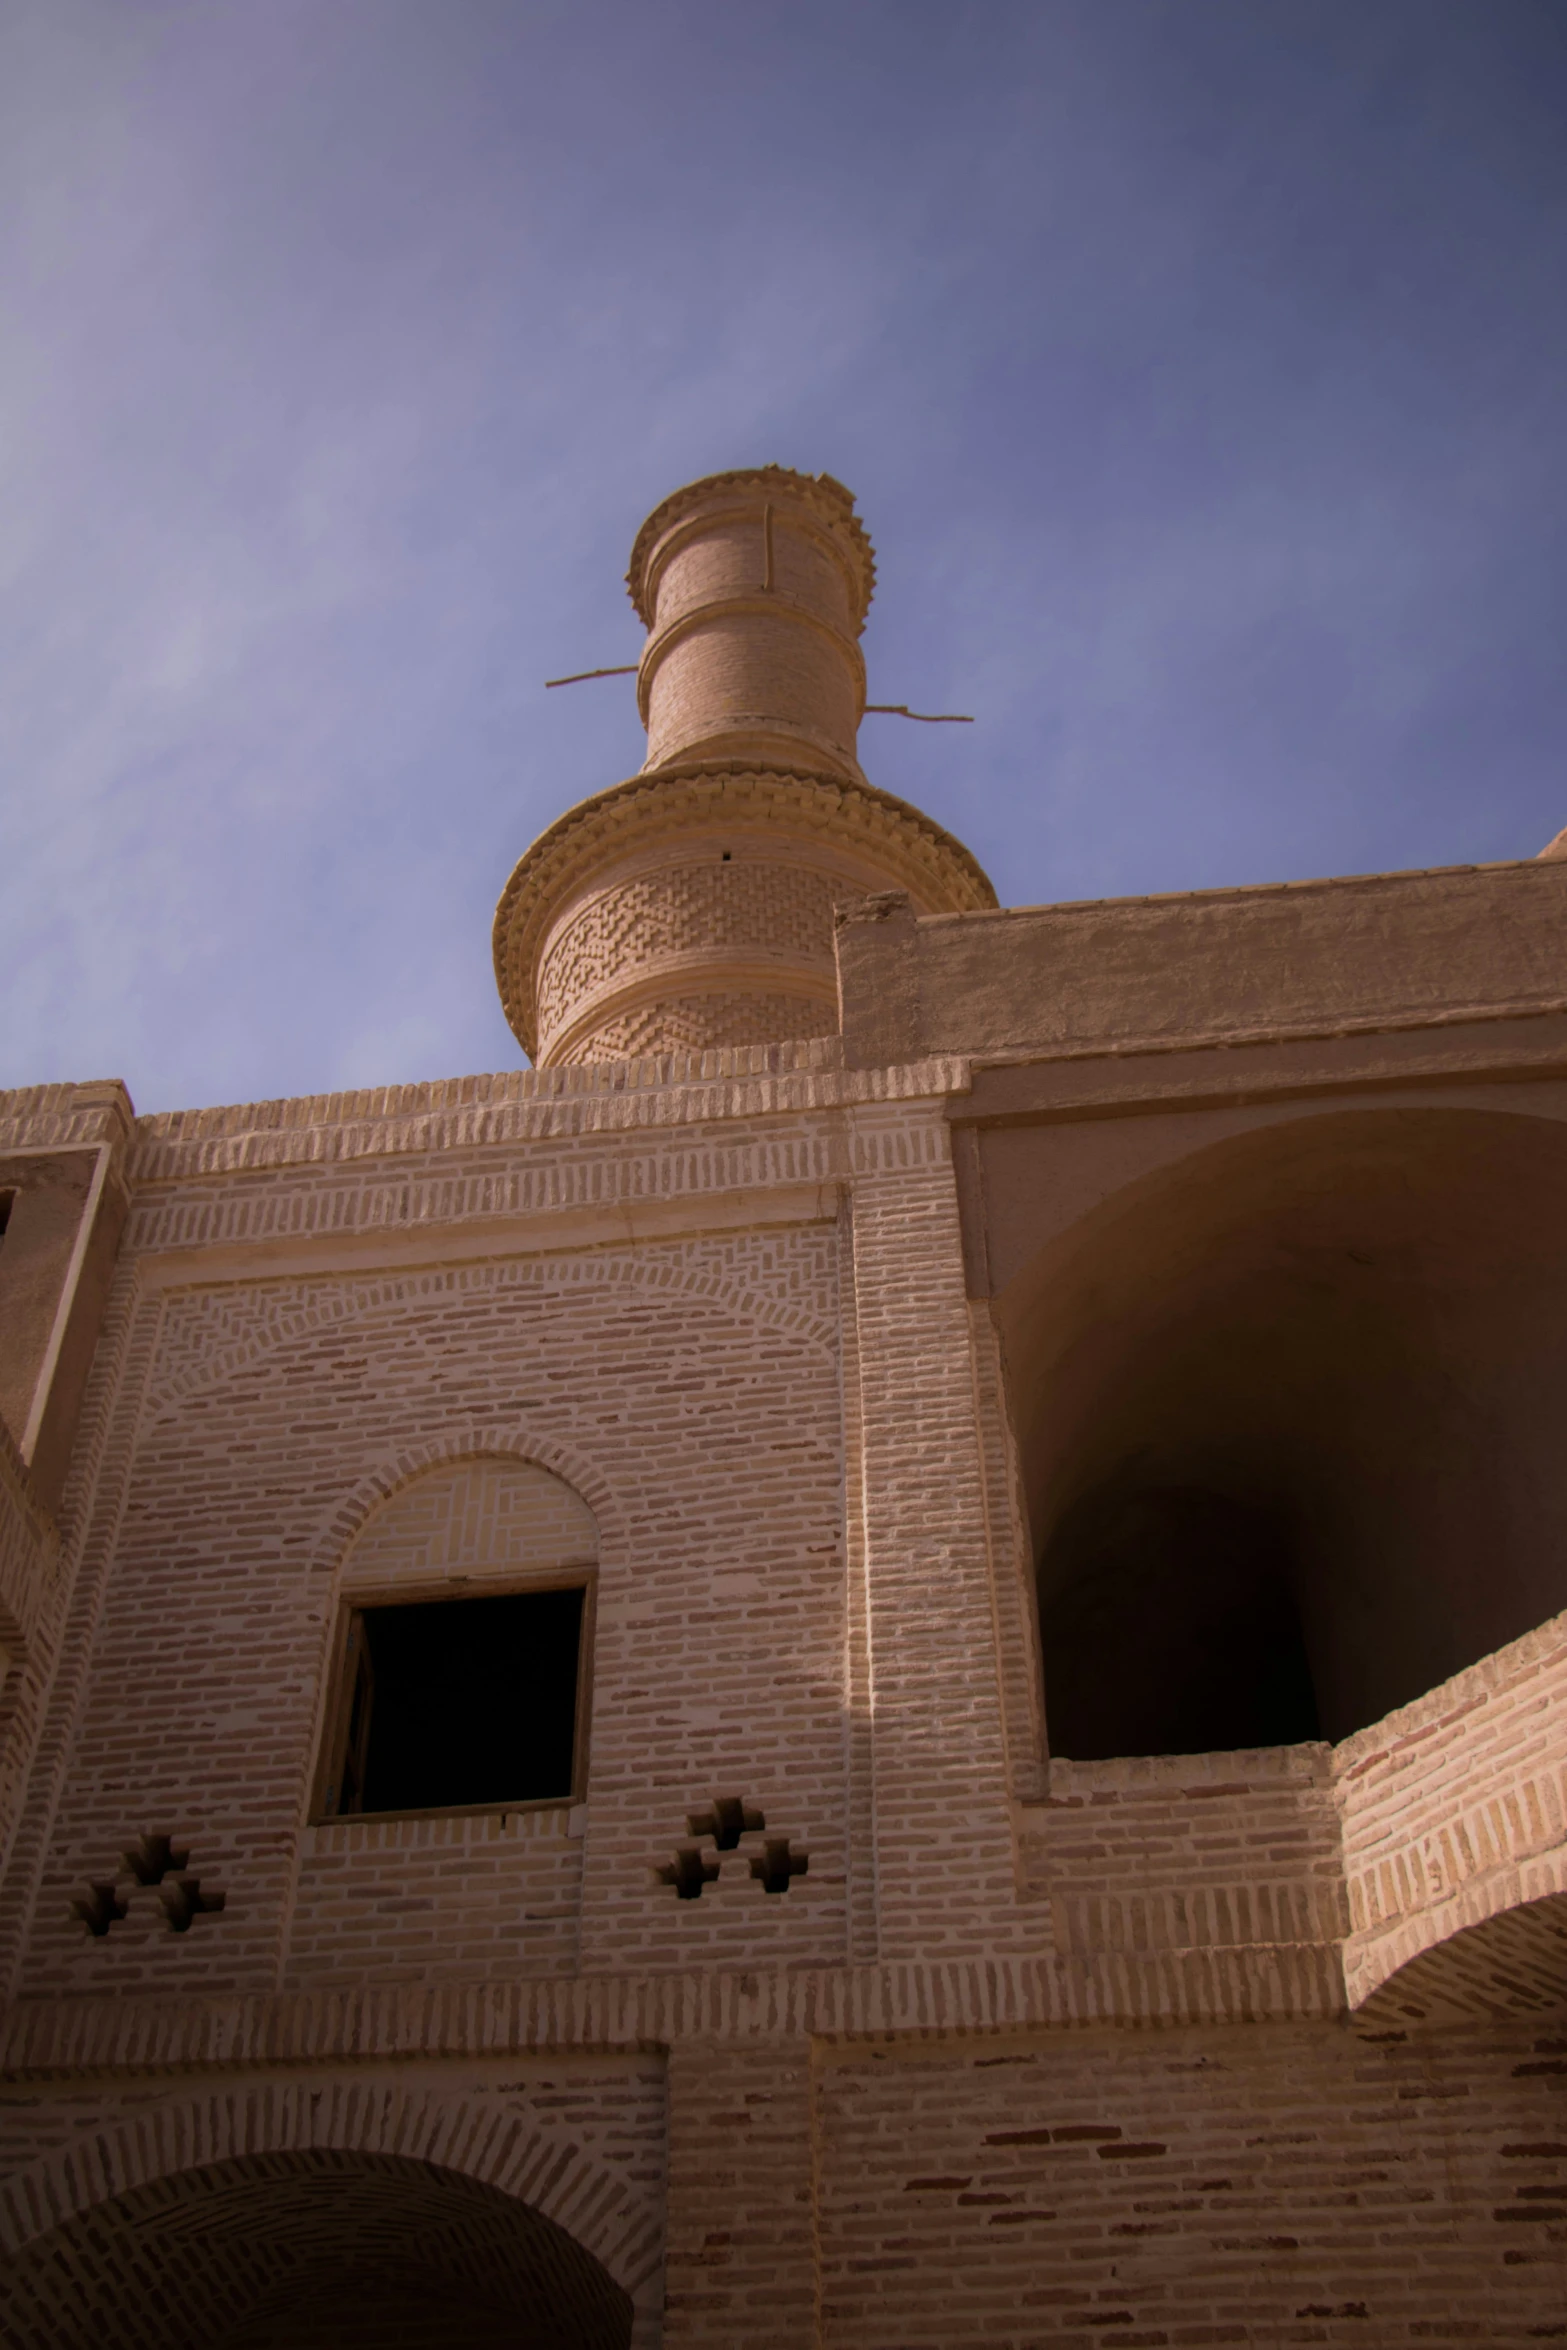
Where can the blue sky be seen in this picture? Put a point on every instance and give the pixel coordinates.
(1199, 366)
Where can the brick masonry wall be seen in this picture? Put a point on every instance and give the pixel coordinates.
(1273, 2187)
(462, 1168)
(1185, 1851)
(31, 1589)
(1265, 2185)
(35, 1565)
(491, 1885)
(944, 1864)
(232, 2191)
(435, 1900)
(1455, 1810)
(708, 1447)
(741, 2250)
(710, 1319)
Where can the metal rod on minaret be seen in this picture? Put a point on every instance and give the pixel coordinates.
(582, 675)
(872, 709)
(925, 717)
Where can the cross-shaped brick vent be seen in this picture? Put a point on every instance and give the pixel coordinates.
(153, 1862)
(688, 1872)
(778, 1866)
(99, 1907)
(726, 1820)
(152, 1858)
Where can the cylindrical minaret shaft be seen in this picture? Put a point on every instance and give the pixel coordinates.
(754, 589)
(693, 905)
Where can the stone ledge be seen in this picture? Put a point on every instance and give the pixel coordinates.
(524, 1106)
(921, 2000)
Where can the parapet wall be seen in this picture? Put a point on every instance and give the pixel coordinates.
(1213, 967)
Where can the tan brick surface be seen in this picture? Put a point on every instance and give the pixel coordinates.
(1180, 1851)
(721, 1548)
(31, 1591)
(741, 2254)
(236, 2191)
(701, 1328)
(1286, 2186)
(1455, 1811)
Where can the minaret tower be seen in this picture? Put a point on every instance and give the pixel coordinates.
(693, 905)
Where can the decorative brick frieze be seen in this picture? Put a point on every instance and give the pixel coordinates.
(790, 906)
(530, 1106)
(688, 1872)
(788, 1287)
(1051, 1991)
(726, 1823)
(734, 1015)
(151, 1866)
(472, 1521)
(65, 1117)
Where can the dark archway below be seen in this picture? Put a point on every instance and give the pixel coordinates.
(298, 2251)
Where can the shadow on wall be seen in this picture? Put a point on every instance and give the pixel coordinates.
(1290, 1415)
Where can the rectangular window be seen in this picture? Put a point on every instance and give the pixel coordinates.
(458, 1704)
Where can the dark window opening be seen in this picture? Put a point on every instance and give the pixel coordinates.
(455, 1703)
(1169, 1626)
(7, 1203)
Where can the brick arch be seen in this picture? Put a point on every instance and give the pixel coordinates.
(584, 2215)
(349, 1301)
(1495, 1947)
(458, 1441)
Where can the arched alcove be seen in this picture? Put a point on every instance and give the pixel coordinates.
(487, 1517)
(1290, 1417)
(298, 2250)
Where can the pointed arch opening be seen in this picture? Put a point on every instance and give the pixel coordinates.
(1289, 1415)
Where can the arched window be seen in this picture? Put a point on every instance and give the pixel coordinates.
(460, 1667)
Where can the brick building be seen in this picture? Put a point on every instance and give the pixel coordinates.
(873, 1660)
